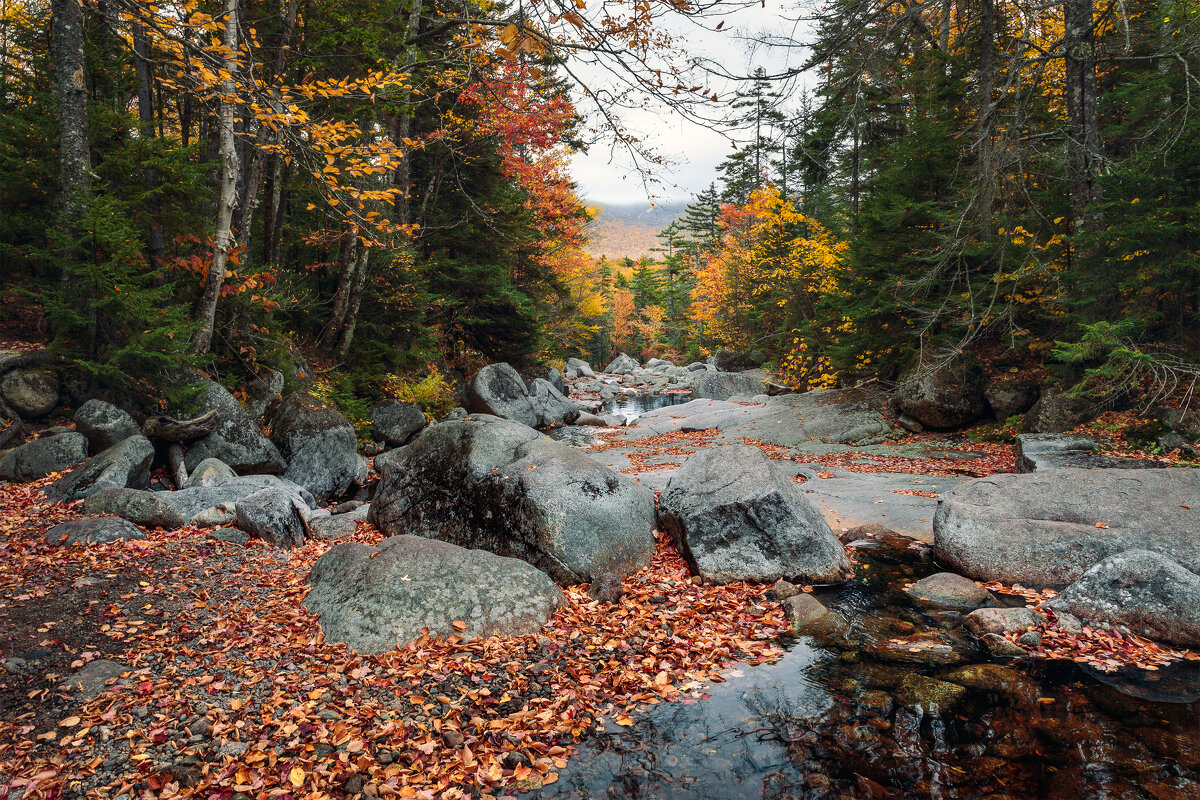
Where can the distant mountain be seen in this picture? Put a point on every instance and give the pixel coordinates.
(630, 229)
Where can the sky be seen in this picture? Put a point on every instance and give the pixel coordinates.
(691, 150)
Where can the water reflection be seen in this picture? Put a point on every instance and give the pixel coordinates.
(631, 406)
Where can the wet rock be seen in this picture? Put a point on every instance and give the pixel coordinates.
(39, 458)
(237, 440)
(921, 648)
(929, 694)
(104, 424)
(578, 368)
(149, 509)
(274, 515)
(373, 598)
(32, 393)
(1001, 647)
(1009, 396)
(551, 407)
(782, 590)
(498, 389)
(1047, 529)
(1143, 591)
(1030, 639)
(803, 610)
(947, 590)
(878, 703)
(320, 446)
(396, 423)
(94, 530)
(93, 678)
(734, 517)
(943, 396)
(125, 464)
(1042, 451)
(1055, 412)
(621, 365)
(504, 487)
(994, 678)
(1002, 620)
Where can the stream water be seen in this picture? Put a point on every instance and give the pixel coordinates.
(843, 715)
(632, 406)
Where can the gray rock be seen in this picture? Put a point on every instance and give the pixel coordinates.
(501, 486)
(1000, 647)
(803, 610)
(386, 458)
(32, 393)
(497, 389)
(697, 366)
(332, 528)
(607, 589)
(621, 365)
(1001, 621)
(396, 423)
(149, 509)
(223, 513)
(230, 536)
(1009, 396)
(1055, 412)
(263, 394)
(551, 407)
(1041, 529)
(92, 679)
(237, 440)
(210, 472)
(194, 500)
(125, 464)
(723, 385)
(1042, 451)
(946, 396)
(548, 374)
(39, 458)
(1142, 591)
(734, 517)
(94, 530)
(737, 360)
(374, 598)
(581, 368)
(104, 424)
(947, 590)
(455, 413)
(274, 515)
(320, 446)
(591, 420)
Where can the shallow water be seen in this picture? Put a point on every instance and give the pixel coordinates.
(633, 406)
(826, 721)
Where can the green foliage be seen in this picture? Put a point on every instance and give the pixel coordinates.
(433, 393)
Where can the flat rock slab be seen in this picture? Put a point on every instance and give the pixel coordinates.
(374, 598)
(1048, 528)
(94, 530)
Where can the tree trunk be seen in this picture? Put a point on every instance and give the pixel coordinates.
(223, 236)
(360, 282)
(70, 88)
(986, 168)
(341, 298)
(141, 52)
(1083, 126)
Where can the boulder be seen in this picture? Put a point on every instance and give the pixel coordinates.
(581, 368)
(803, 610)
(621, 365)
(94, 530)
(104, 424)
(209, 472)
(375, 598)
(950, 591)
(262, 394)
(944, 397)
(1000, 621)
(1042, 451)
(551, 407)
(734, 517)
(929, 694)
(497, 389)
(230, 536)
(148, 509)
(1055, 412)
(39, 458)
(334, 527)
(396, 423)
(503, 487)
(223, 513)
(32, 393)
(125, 464)
(1009, 396)
(737, 360)
(723, 385)
(549, 374)
(1047, 529)
(272, 514)
(697, 366)
(659, 365)
(320, 446)
(237, 440)
(1143, 591)
(207, 504)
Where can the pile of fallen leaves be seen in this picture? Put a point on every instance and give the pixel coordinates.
(678, 443)
(231, 688)
(1103, 649)
(1110, 428)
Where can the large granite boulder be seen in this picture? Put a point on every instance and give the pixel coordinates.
(578, 368)
(375, 598)
(320, 446)
(149, 509)
(209, 472)
(201, 498)
(549, 374)
(499, 390)
(737, 360)
(396, 423)
(1144, 591)
(1009, 396)
(551, 407)
(501, 486)
(39, 458)
(94, 530)
(945, 396)
(1056, 411)
(125, 464)
(104, 424)
(237, 440)
(1047, 529)
(32, 393)
(734, 517)
(621, 365)
(275, 515)
(724, 385)
(1041, 451)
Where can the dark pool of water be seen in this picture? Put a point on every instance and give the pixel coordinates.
(826, 722)
(634, 405)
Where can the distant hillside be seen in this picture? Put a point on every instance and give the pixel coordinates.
(630, 229)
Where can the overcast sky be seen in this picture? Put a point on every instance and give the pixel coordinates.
(693, 151)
